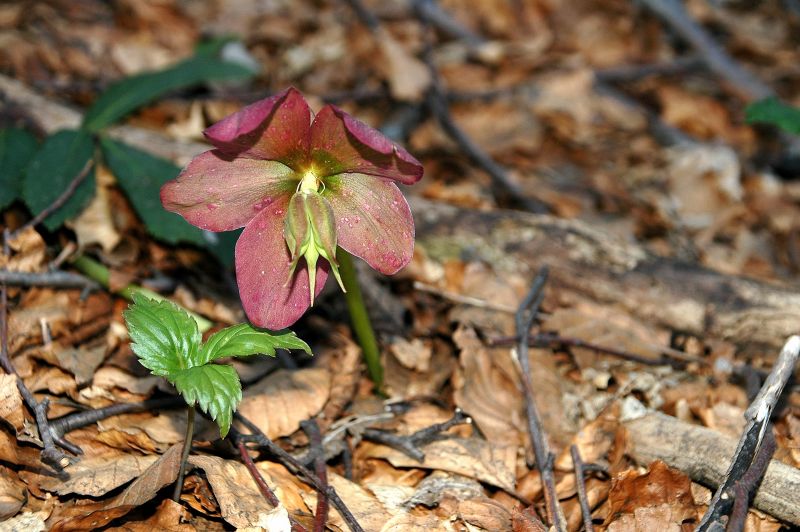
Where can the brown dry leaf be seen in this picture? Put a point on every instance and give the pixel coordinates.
(109, 377)
(81, 361)
(403, 382)
(11, 409)
(704, 180)
(366, 508)
(97, 475)
(600, 331)
(567, 103)
(169, 517)
(659, 499)
(161, 473)
(165, 429)
(12, 494)
(344, 361)
(240, 501)
(414, 354)
(700, 116)
(95, 224)
(36, 306)
(279, 402)
(485, 390)
(29, 252)
(485, 513)
(493, 463)
(408, 77)
(594, 441)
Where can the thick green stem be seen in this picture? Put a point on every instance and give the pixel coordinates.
(187, 446)
(359, 318)
(94, 270)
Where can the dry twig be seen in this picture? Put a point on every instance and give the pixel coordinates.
(544, 460)
(758, 416)
(580, 482)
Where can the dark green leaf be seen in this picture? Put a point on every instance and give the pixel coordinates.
(773, 111)
(216, 388)
(141, 175)
(245, 340)
(59, 160)
(133, 92)
(17, 147)
(164, 336)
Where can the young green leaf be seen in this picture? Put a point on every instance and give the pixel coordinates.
(245, 340)
(17, 147)
(133, 92)
(59, 160)
(773, 111)
(167, 341)
(141, 175)
(216, 388)
(165, 337)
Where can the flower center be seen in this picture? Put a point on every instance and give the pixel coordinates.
(309, 183)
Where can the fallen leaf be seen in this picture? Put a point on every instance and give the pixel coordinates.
(95, 224)
(485, 513)
(490, 462)
(414, 354)
(169, 517)
(96, 476)
(29, 252)
(11, 409)
(240, 501)
(366, 508)
(279, 402)
(12, 494)
(408, 77)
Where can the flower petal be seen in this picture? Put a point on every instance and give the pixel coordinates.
(275, 128)
(220, 193)
(262, 269)
(340, 143)
(373, 220)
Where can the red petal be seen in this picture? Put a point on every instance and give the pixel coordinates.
(262, 269)
(220, 193)
(275, 128)
(373, 220)
(340, 143)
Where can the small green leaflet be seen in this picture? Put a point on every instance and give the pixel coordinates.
(17, 147)
(775, 112)
(168, 343)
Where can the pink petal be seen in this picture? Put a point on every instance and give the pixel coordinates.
(275, 128)
(262, 269)
(373, 220)
(220, 193)
(340, 143)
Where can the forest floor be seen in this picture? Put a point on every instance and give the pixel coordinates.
(588, 168)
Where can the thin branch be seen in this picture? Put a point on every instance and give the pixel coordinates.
(580, 482)
(673, 13)
(745, 488)
(311, 429)
(757, 416)
(58, 202)
(524, 320)
(257, 436)
(55, 279)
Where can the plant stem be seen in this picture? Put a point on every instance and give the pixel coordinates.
(359, 318)
(187, 446)
(94, 270)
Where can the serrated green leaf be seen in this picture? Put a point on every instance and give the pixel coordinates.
(131, 93)
(17, 147)
(245, 340)
(164, 336)
(57, 162)
(141, 175)
(216, 388)
(773, 111)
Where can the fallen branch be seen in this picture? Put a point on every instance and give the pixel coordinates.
(580, 483)
(757, 416)
(544, 459)
(53, 279)
(673, 13)
(311, 429)
(703, 453)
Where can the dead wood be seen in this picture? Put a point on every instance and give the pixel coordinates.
(586, 262)
(704, 455)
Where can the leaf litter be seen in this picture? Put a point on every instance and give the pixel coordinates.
(530, 94)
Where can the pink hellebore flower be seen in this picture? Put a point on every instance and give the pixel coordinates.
(299, 188)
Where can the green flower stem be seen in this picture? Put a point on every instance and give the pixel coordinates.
(94, 270)
(360, 319)
(187, 446)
